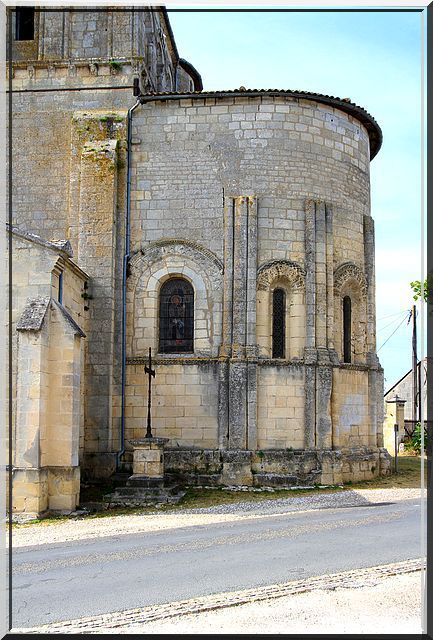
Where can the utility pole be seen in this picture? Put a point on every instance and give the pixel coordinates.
(414, 369)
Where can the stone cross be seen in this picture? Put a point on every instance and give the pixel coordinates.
(151, 373)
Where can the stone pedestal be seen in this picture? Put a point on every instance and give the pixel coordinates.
(148, 457)
(146, 486)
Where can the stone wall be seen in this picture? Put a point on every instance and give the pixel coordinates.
(280, 407)
(109, 45)
(280, 149)
(48, 388)
(237, 194)
(351, 422)
(185, 403)
(47, 365)
(275, 192)
(276, 467)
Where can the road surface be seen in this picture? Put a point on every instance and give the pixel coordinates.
(68, 580)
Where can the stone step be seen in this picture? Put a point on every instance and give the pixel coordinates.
(283, 480)
(142, 496)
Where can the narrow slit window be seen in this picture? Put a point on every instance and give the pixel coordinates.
(279, 323)
(347, 329)
(176, 317)
(25, 24)
(60, 294)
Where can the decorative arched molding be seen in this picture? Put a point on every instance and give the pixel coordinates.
(350, 281)
(149, 269)
(291, 277)
(170, 247)
(346, 272)
(280, 269)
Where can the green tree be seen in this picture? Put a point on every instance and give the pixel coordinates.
(414, 442)
(427, 292)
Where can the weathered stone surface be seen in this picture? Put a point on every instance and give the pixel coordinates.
(238, 194)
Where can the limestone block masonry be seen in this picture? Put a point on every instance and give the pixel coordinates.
(276, 194)
(71, 87)
(235, 226)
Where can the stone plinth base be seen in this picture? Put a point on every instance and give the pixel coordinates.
(35, 491)
(148, 457)
(146, 486)
(236, 468)
(29, 491)
(63, 488)
(275, 467)
(147, 482)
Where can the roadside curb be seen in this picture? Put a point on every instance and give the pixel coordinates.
(353, 579)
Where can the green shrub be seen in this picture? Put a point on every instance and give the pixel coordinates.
(414, 442)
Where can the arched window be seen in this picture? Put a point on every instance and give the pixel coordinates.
(279, 323)
(347, 329)
(176, 317)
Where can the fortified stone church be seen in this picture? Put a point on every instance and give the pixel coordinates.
(229, 231)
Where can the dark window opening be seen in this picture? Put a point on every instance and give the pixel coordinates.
(60, 295)
(24, 24)
(279, 323)
(176, 317)
(347, 329)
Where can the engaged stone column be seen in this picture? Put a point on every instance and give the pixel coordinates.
(96, 253)
(323, 408)
(310, 272)
(225, 349)
(238, 377)
(321, 280)
(310, 356)
(329, 278)
(370, 276)
(318, 353)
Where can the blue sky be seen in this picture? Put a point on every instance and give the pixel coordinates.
(375, 60)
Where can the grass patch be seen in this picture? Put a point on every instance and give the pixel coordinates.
(407, 477)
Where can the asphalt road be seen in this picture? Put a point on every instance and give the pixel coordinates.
(57, 582)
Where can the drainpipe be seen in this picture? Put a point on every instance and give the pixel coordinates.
(125, 267)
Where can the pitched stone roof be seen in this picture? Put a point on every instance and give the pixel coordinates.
(76, 328)
(63, 246)
(32, 318)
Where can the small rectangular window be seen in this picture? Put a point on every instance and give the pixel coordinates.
(60, 294)
(347, 329)
(25, 24)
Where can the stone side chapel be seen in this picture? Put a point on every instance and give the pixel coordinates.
(228, 231)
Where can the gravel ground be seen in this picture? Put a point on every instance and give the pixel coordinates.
(392, 606)
(84, 528)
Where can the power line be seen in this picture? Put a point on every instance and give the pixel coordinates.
(392, 315)
(392, 321)
(399, 325)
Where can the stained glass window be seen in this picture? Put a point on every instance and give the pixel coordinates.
(347, 329)
(176, 317)
(279, 323)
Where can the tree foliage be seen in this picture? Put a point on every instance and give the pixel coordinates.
(426, 291)
(414, 442)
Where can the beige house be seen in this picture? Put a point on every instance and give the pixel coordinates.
(228, 231)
